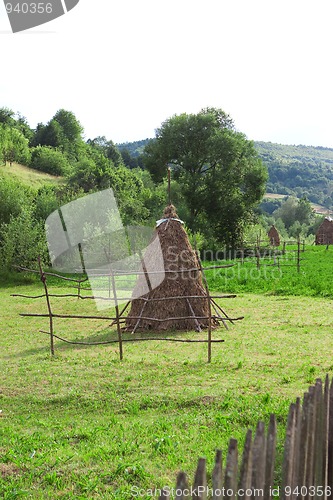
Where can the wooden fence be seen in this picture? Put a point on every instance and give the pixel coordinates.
(307, 465)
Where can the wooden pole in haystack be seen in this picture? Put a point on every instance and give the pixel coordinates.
(169, 186)
(167, 304)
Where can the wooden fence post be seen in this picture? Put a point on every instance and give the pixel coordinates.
(200, 481)
(231, 471)
(270, 457)
(245, 479)
(289, 449)
(259, 461)
(217, 479)
(43, 279)
(182, 489)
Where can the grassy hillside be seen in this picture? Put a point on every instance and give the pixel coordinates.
(299, 170)
(29, 176)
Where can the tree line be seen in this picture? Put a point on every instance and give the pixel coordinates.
(218, 178)
(302, 171)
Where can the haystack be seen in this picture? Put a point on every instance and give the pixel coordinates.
(324, 235)
(274, 237)
(182, 280)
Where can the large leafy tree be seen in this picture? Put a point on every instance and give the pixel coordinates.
(107, 148)
(64, 132)
(221, 176)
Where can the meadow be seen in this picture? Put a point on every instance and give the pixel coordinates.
(28, 176)
(83, 424)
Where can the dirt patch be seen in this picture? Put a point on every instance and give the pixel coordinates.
(9, 470)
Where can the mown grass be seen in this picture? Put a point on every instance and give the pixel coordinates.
(82, 424)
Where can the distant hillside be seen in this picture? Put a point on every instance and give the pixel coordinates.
(135, 149)
(299, 170)
(293, 170)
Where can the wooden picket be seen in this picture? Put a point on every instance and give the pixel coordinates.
(307, 466)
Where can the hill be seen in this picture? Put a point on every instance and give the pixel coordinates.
(29, 176)
(135, 148)
(293, 170)
(299, 170)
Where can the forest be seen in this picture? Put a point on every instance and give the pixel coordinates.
(218, 180)
(301, 171)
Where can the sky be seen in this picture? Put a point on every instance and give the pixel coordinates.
(124, 67)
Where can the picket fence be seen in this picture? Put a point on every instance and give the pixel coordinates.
(307, 465)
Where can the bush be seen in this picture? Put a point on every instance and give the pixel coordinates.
(49, 160)
(22, 241)
(13, 196)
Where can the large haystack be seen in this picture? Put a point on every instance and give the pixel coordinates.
(177, 254)
(274, 237)
(324, 235)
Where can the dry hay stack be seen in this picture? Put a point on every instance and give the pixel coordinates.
(177, 255)
(274, 236)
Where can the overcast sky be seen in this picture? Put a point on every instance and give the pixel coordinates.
(124, 66)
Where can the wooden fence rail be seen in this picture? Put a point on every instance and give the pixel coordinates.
(307, 466)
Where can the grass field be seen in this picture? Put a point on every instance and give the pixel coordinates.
(28, 175)
(314, 279)
(85, 425)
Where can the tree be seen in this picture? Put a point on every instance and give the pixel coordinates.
(292, 210)
(107, 148)
(49, 135)
(63, 131)
(71, 127)
(221, 176)
(23, 126)
(13, 145)
(7, 116)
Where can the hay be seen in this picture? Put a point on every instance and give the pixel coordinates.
(274, 236)
(177, 254)
(324, 235)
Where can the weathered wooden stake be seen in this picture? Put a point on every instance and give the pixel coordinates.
(43, 280)
(298, 255)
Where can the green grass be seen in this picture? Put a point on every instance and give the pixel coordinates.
(314, 279)
(82, 424)
(29, 176)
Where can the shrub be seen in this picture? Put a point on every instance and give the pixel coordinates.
(49, 160)
(13, 196)
(22, 240)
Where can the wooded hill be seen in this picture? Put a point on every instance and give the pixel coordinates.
(293, 170)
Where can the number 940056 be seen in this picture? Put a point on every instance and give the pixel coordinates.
(29, 8)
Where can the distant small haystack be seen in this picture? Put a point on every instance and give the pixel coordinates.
(274, 237)
(324, 235)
